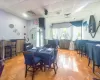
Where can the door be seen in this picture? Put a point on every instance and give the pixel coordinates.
(33, 36)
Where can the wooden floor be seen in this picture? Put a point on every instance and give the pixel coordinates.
(71, 67)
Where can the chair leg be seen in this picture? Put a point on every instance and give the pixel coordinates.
(10, 52)
(93, 66)
(15, 53)
(54, 68)
(88, 61)
(41, 66)
(56, 64)
(5, 53)
(81, 54)
(44, 67)
(33, 73)
(77, 51)
(26, 71)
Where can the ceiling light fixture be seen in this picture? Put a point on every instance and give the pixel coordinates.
(25, 15)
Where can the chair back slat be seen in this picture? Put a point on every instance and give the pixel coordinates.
(96, 55)
(29, 58)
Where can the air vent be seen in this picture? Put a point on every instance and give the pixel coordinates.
(58, 12)
(67, 15)
(31, 13)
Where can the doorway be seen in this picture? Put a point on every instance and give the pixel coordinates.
(33, 36)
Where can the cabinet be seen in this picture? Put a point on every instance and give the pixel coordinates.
(20, 45)
(64, 44)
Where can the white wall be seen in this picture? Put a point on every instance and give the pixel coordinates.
(86, 34)
(5, 31)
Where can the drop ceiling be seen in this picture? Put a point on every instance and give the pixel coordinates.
(55, 8)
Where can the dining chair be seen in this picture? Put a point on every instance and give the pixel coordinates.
(90, 52)
(77, 45)
(55, 57)
(47, 46)
(32, 62)
(52, 60)
(10, 49)
(27, 46)
(1, 67)
(96, 57)
(13, 46)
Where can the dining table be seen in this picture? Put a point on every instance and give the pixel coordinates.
(46, 54)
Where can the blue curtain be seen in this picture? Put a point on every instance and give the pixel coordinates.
(76, 23)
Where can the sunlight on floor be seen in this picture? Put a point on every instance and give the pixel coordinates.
(67, 62)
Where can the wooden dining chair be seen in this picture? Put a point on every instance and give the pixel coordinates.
(10, 49)
(52, 61)
(13, 46)
(96, 57)
(1, 67)
(32, 62)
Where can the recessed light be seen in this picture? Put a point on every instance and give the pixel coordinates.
(25, 15)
